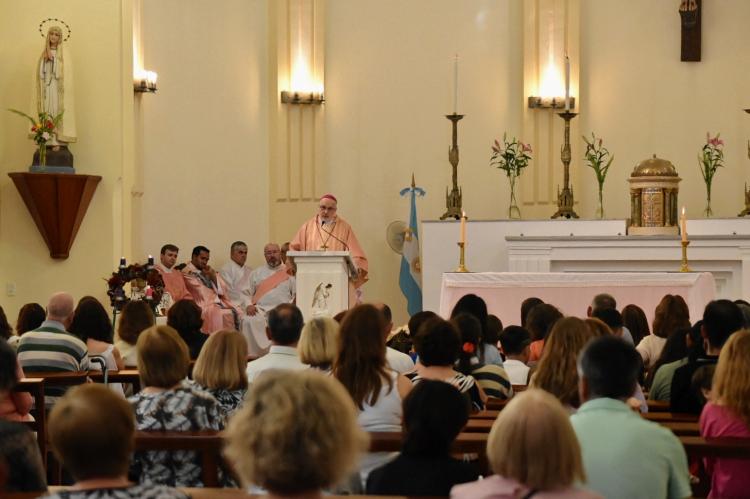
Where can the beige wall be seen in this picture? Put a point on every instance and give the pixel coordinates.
(101, 51)
(201, 153)
(205, 139)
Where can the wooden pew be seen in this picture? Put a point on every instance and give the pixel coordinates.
(663, 417)
(35, 386)
(657, 406)
(734, 448)
(207, 443)
(128, 376)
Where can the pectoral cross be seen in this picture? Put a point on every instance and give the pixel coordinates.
(690, 19)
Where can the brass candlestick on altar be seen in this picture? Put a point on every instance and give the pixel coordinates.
(453, 198)
(746, 211)
(565, 198)
(684, 267)
(461, 258)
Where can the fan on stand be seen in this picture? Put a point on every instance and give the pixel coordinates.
(395, 234)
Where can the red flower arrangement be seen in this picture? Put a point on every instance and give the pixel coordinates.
(145, 282)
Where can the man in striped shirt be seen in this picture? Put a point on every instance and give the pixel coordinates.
(50, 348)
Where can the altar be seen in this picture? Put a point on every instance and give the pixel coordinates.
(572, 292)
(718, 246)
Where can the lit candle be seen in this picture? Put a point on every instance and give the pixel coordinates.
(683, 226)
(149, 293)
(567, 83)
(463, 227)
(150, 259)
(455, 85)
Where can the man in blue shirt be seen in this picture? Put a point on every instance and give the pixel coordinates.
(624, 455)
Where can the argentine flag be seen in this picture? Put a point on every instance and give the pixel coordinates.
(410, 277)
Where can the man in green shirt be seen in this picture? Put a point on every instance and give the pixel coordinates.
(624, 455)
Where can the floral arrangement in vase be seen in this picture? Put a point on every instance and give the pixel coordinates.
(511, 157)
(598, 159)
(42, 129)
(710, 160)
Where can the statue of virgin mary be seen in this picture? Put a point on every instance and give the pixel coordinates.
(54, 86)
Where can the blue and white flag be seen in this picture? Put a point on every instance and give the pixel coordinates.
(410, 277)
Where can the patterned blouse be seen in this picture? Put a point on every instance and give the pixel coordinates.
(465, 384)
(229, 400)
(133, 492)
(185, 408)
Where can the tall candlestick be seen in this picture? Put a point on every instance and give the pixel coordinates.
(567, 83)
(463, 228)
(683, 226)
(455, 85)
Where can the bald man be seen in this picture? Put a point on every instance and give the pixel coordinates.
(51, 348)
(270, 285)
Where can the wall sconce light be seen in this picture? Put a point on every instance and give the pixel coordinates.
(550, 102)
(145, 81)
(290, 97)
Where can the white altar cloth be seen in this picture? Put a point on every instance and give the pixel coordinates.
(572, 292)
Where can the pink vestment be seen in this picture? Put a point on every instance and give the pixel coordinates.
(174, 283)
(314, 237)
(218, 311)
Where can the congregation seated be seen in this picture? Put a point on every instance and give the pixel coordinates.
(475, 306)
(169, 402)
(51, 347)
(727, 414)
(185, 317)
(263, 439)
(557, 371)
(94, 446)
(491, 378)
(539, 322)
(671, 314)
(721, 318)
(597, 327)
(624, 455)
(220, 369)
(14, 406)
(21, 465)
(634, 320)
(526, 307)
(284, 328)
(403, 341)
(515, 341)
(29, 318)
(361, 367)
(91, 325)
(673, 355)
(396, 360)
(135, 317)
(434, 413)
(438, 343)
(318, 343)
(534, 453)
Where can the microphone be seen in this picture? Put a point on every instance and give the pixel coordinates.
(322, 224)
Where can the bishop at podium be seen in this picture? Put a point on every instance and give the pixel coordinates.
(329, 232)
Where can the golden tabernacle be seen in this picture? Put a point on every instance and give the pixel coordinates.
(653, 198)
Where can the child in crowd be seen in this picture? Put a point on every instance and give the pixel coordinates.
(515, 341)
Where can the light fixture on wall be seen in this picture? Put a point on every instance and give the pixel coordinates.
(297, 97)
(553, 92)
(145, 81)
(304, 90)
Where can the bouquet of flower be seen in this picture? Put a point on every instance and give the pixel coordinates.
(42, 130)
(710, 160)
(511, 157)
(599, 159)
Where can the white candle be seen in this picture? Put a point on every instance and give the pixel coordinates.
(567, 83)
(455, 85)
(683, 226)
(463, 227)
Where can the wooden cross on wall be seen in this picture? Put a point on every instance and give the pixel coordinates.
(690, 18)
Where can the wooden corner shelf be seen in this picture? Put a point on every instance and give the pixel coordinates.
(57, 202)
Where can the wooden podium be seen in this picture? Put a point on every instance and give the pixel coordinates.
(324, 282)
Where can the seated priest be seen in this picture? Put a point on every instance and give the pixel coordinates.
(270, 285)
(236, 275)
(328, 232)
(174, 282)
(209, 292)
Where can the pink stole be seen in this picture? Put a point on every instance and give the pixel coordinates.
(269, 283)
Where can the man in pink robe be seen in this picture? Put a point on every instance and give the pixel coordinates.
(329, 232)
(207, 289)
(174, 282)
